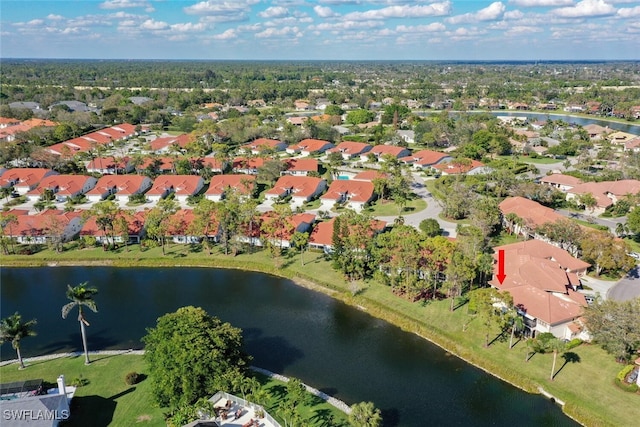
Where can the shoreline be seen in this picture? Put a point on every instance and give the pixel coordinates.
(336, 403)
(361, 303)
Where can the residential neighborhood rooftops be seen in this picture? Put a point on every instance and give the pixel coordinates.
(180, 184)
(561, 179)
(300, 186)
(551, 308)
(240, 182)
(532, 213)
(356, 191)
(539, 249)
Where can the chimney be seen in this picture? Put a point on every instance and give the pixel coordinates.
(61, 385)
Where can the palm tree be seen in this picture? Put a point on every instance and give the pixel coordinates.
(13, 329)
(557, 346)
(81, 296)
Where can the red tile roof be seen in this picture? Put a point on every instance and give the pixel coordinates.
(453, 168)
(425, 157)
(356, 191)
(548, 307)
(135, 223)
(311, 145)
(181, 184)
(240, 163)
(163, 142)
(100, 163)
(303, 165)
(67, 185)
(298, 186)
(561, 179)
(125, 184)
(539, 249)
(533, 213)
(24, 176)
(381, 150)
(241, 182)
(369, 175)
(350, 147)
(40, 223)
(322, 233)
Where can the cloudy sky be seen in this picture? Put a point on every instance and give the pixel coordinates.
(321, 29)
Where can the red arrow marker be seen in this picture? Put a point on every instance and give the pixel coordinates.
(501, 276)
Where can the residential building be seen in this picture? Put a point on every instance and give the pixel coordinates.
(543, 281)
(110, 165)
(351, 149)
(532, 215)
(220, 184)
(380, 151)
(246, 165)
(426, 158)
(123, 186)
(560, 181)
(262, 145)
(307, 147)
(300, 167)
(256, 235)
(24, 180)
(353, 194)
(474, 167)
(135, 231)
(63, 187)
(182, 186)
(167, 144)
(51, 224)
(321, 236)
(300, 188)
(606, 193)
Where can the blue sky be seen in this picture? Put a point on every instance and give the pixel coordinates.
(321, 29)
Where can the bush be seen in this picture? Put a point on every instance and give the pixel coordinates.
(79, 382)
(573, 344)
(620, 380)
(131, 378)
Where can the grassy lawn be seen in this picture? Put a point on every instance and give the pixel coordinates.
(389, 208)
(107, 400)
(585, 385)
(314, 204)
(538, 160)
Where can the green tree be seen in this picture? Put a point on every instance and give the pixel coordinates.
(490, 305)
(633, 221)
(192, 354)
(460, 272)
(588, 201)
(157, 221)
(13, 330)
(614, 325)
(430, 227)
(81, 296)
(605, 252)
(357, 117)
(365, 414)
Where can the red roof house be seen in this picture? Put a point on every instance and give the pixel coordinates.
(123, 186)
(244, 184)
(24, 180)
(63, 186)
(182, 185)
(306, 147)
(351, 149)
(354, 194)
(261, 145)
(300, 188)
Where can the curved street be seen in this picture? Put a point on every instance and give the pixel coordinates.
(627, 288)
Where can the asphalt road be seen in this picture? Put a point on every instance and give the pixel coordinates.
(627, 288)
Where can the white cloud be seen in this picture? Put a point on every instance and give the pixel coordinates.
(523, 29)
(151, 24)
(279, 32)
(188, 27)
(430, 28)
(53, 17)
(586, 9)
(222, 11)
(490, 13)
(345, 25)
(513, 14)
(274, 12)
(123, 4)
(629, 12)
(541, 3)
(435, 9)
(324, 12)
(227, 35)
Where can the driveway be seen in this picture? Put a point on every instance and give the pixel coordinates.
(433, 209)
(612, 223)
(627, 288)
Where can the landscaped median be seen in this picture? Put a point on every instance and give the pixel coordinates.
(585, 382)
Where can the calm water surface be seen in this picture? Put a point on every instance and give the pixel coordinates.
(289, 330)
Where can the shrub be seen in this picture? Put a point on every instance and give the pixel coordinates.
(573, 344)
(131, 378)
(620, 380)
(79, 382)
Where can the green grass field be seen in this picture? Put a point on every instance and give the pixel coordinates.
(586, 386)
(107, 400)
(389, 208)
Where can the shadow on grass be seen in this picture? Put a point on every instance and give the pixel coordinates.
(569, 357)
(322, 418)
(93, 411)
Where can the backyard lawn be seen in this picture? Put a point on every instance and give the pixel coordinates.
(107, 400)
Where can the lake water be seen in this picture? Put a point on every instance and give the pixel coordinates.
(288, 329)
